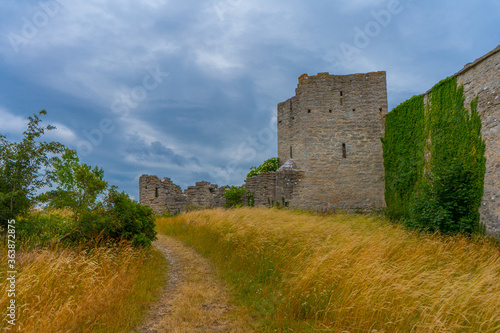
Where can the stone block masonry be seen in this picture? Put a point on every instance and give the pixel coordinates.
(482, 78)
(164, 197)
(331, 129)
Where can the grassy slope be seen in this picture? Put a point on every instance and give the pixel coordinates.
(69, 290)
(302, 272)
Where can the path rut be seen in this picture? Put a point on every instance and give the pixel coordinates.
(194, 299)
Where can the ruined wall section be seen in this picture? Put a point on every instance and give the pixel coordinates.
(332, 132)
(286, 120)
(205, 195)
(263, 187)
(161, 195)
(288, 177)
(482, 78)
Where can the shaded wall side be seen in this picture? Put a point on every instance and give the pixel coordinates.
(483, 80)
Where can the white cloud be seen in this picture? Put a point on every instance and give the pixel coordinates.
(62, 134)
(10, 123)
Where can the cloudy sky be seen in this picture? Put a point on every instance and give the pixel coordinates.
(188, 89)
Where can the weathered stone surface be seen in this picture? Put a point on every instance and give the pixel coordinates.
(263, 187)
(482, 78)
(163, 196)
(332, 130)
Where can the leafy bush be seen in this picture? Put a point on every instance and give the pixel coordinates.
(269, 165)
(43, 227)
(121, 218)
(234, 196)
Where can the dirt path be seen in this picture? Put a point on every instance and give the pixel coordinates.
(194, 300)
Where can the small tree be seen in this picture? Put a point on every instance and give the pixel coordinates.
(234, 196)
(269, 165)
(79, 186)
(25, 168)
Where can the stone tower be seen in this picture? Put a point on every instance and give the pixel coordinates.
(331, 131)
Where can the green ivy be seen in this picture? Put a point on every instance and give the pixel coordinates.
(269, 165)
(434, 161)
(404, 143)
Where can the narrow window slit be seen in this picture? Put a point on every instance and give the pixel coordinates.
(156, 192)
(290, 151)
(344, 152)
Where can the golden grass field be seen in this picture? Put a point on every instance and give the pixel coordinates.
(301, 272)
(75, 290)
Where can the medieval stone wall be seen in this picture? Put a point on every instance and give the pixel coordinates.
(262, 187)
(482, 78)
(332, 129)
(161, 195)
(206, 195)
(330, 150)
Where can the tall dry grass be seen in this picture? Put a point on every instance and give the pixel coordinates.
(347, 273)
(75, 290)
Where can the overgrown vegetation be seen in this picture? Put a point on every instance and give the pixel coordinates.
(82, 261)
(96, 210)
(82, 289)
(234, 196)
(434, 162)
(269, 165)
(299, 272)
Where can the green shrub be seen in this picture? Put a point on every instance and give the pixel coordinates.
(269, 165)
(43, 227)
(126, 219)
(234, 196)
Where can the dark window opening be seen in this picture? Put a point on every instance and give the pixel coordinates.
(156, 192)
(341, 93)
(353, 110)
(380, 109)
(293, 118)
(330, 111)
(344, 152)
(279, 122)
(290, 151)
(308, 110)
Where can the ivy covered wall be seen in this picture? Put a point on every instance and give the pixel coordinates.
(434, 161)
